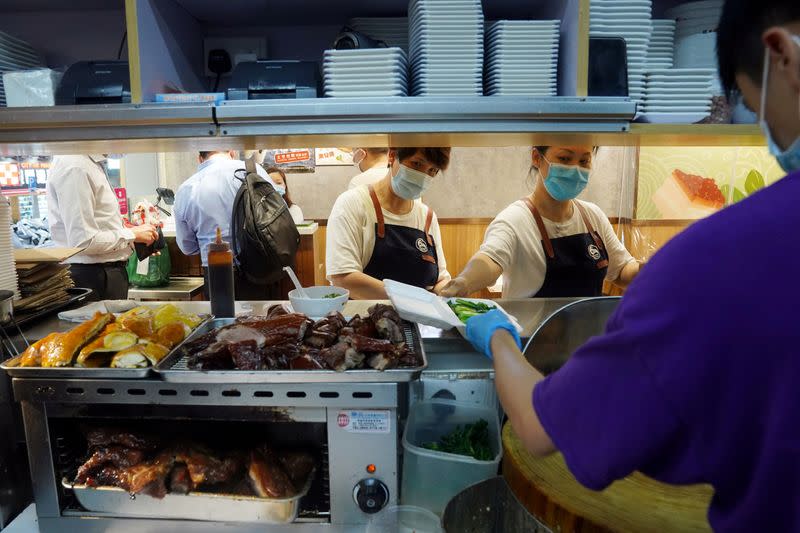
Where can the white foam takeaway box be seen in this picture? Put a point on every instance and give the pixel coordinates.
(424, 307)
(31, 88)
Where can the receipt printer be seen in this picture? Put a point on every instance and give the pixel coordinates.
(95, 82)
(267, 80)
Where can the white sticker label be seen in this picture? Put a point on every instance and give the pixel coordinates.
(364, 421)
(143, 267)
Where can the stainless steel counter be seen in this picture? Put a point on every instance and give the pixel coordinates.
(178, 289)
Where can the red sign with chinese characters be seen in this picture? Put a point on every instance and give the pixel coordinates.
(122, 198)
(292, 157)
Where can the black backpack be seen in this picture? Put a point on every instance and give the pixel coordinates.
(264, 237)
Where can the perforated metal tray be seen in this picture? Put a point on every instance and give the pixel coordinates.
(174, 367)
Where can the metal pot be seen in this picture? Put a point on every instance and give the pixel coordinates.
(563, 332)
(488, 507)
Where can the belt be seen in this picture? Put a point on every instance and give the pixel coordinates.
(122, 264)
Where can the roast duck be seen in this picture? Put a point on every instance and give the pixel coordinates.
(290, 341)
(138, 338)
(142, 464)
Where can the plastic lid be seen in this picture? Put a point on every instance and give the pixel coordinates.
(405, 519)
(219, 245)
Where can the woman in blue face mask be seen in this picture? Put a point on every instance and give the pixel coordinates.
(550, 244)
(278, 177)
(384, 231)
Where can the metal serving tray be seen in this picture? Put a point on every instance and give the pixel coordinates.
(192, 506)
(174, 368)
(12, 368)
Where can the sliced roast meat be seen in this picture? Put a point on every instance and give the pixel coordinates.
(368, 345)
(180, 482)
(240, 333)
(247, 355)
(306, 362)
(116, 456)
(379, 311)
(107, 436)
(215, 357)
(362, 326)
(390, 330)
(382, 361)
(321, 339)
(267, 475)
(298, 465)
(276, 311)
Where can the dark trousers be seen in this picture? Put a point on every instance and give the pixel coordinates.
(108, 281)
(248, 291)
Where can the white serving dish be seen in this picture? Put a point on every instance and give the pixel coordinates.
(316, 304)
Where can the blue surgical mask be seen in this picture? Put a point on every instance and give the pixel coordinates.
(565, 182)
(280, 189)
(410, 184)
(788, 159)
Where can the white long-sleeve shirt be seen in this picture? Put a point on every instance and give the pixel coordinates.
(84, 212)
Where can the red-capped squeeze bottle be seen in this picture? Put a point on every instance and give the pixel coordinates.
(220, 278)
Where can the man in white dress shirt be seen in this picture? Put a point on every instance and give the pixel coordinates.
(372, 163)
(84, 213)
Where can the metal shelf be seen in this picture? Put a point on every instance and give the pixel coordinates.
(415, 121)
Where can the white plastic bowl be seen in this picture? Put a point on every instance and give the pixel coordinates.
(317, 305)
(405, 519)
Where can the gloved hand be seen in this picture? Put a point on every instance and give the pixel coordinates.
(481, 328)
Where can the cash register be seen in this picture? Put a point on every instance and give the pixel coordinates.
(95, 82)
(270, 79)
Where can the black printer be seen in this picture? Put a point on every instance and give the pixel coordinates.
(267, 80)
(95, 82)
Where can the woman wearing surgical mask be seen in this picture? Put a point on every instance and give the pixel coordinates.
(278, 177)
(384, 231)
(550, 244)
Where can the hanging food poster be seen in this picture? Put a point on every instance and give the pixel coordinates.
(689, 183)
(334, 157)
(290, 159)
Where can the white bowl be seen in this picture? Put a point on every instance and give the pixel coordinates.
(317, 305)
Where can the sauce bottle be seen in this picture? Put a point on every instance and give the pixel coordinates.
(220, 278)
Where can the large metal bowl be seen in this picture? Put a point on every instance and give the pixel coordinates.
(560, 334)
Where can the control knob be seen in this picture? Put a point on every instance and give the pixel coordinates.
(371, 495)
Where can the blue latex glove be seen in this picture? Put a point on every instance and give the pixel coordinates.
(480, 329)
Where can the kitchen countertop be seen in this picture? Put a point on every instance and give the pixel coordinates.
(310, 229)
(177, 289)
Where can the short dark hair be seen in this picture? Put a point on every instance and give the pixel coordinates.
(439, 157)
(376, 151)
(543, 150)
(739, 46)
(206, 155)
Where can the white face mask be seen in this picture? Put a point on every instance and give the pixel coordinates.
(410, 184)
(788, 159)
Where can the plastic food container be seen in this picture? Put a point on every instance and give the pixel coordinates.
(418, 305)
(405, 519)
(317, 305)
(432, 478)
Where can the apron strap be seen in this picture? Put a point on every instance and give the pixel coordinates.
(428, 222)
(595, 236)
(548, 246)
(378, 212)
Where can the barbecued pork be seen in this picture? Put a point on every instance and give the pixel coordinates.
(246, 355)
(205, 468)
(238, 333)
(276, 311)
(279, 329)
(267, 475)
(298, 465)
(362, 326)
(341, 356)
(116, 456)
(102, 437)
(179, 480)
(148, 477)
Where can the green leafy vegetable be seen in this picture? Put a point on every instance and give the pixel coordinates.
(332, 295)
(472, 440)
(466, 309)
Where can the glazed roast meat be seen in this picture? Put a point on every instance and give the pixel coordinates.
(96, 438)
(291, 341)
(182, 467)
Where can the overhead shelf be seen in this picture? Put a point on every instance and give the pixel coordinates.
(454, 121)
(697, 135)
(104, 128)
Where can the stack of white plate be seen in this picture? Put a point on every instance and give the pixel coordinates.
(695, 17)
(679, 95)
(8, 270)
(446, 47)
(391, 30)
(662, 44)
(15, 54)
(631, 20)
(522, 57)
(696, 51)
(369, 72)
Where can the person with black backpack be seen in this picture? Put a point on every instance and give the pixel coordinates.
(240, 199)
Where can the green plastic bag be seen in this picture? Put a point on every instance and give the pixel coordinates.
(158, 270)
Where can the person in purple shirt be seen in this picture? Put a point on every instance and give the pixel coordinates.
(697, 377)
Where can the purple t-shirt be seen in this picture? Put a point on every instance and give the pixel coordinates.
(697, 378)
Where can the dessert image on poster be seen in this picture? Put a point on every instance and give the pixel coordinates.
(690, 183)
(688, 196)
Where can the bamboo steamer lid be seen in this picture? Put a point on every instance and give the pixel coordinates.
(636, 504)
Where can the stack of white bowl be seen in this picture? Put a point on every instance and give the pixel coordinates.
(364, 73)
(8, 269)
(695, 17)
(391, 30)
(679, 95)
(522, 57)
(631, 20)
(662, 44)
(446, 47)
